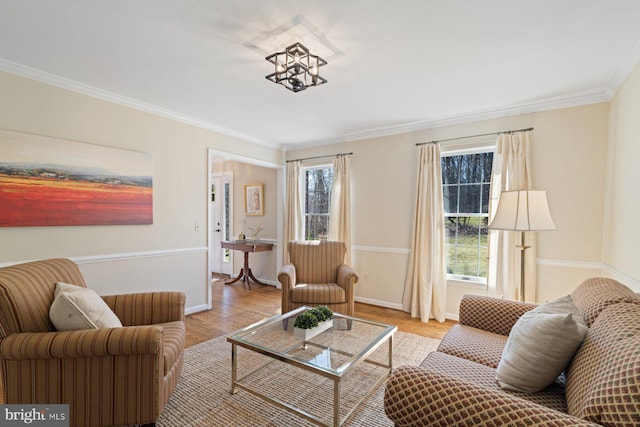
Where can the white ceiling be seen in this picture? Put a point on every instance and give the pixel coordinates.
(393, 66)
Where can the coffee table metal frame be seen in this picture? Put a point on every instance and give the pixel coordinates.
(362, 356)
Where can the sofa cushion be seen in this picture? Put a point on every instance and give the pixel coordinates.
(473, 344)
(603, 381)
(597, 293)
(539, 348)
(484, 376)
(318, 293)
(76, 307)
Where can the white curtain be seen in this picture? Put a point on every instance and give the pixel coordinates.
(293, 216)
(340, 215)
(425, 288)
(511, 171)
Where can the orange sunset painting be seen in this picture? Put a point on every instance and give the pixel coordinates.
(51, 182)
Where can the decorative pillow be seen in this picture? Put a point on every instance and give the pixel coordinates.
(538, 349)
(75, 307)
(561, 305)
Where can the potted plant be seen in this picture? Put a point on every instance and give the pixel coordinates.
(311, 322)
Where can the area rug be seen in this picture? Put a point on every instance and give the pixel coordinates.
(202, 396)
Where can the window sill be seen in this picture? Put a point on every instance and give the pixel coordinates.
(466, 283)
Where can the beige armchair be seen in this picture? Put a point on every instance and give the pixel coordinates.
(109, 377)
(317, 275)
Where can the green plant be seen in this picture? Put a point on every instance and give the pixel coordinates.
(311, 318)
(322, 313)
(306, 320)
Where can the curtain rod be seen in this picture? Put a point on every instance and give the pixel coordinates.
(473, 136)
(321, 157)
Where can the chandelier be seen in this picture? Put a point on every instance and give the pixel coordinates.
(296, 68)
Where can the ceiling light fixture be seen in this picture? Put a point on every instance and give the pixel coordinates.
(296, 68)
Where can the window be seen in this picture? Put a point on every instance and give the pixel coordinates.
(317, 200)
(465, 187)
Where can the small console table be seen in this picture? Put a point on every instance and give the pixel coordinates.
(246, 246)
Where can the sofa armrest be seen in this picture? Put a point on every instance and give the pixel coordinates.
(147, 308)
(82, 343)
(416, 396)
(287, 277)
(491, 314)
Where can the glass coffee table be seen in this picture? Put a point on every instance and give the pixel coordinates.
(332, 355)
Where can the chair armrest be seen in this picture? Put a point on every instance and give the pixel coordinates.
(147, 308)
(416, 396)
(287, 277)
(82, 343)
(491, 314)
(346, 276)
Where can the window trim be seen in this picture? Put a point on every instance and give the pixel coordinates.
(484, 145)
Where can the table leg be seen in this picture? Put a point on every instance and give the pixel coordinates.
(240, 275)
(234, 367)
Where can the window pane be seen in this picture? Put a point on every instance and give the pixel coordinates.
(485, 198)
(450, 198)
(487, 164)
(470, 198)
(450, 169)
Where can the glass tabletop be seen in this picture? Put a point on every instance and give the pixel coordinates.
(334, 351)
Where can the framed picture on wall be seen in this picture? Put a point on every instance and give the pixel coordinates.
(254, 199)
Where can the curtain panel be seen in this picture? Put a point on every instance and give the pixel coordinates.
(511, 171)
(340, 215)
(426, 282)
(293, 216)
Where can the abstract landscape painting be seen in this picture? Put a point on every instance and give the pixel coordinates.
(51, 182)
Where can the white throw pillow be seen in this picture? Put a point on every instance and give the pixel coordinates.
(75, 307)
(538, 349)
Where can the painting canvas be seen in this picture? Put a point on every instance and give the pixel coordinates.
(51, 182)
(254, 199)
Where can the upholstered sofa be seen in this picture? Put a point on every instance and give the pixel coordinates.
(458, 384)
(114, 376)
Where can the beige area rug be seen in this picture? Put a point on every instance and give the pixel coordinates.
(202, 396)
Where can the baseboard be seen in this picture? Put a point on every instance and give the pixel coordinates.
(378, 303)
(196, 309)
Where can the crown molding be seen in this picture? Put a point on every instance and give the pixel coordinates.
(64, 83)
(575, 100)
(630, 61)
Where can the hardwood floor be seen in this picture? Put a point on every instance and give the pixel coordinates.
(235, 307)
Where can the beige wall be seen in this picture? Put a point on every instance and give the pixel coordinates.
(168, 255)
(569, 148)
(622, 231)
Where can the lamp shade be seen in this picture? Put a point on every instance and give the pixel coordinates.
(523, 210)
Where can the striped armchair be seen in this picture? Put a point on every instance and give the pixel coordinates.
(317, 275)
(109, 377)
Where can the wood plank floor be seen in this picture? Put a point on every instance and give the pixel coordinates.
(235, 307)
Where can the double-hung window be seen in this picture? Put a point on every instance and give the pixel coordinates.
(317, 185)
(466, 176)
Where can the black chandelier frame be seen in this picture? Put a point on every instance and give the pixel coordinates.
(296, 68)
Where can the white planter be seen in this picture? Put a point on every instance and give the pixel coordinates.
(307, 334)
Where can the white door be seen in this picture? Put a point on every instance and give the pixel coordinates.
(221, 221)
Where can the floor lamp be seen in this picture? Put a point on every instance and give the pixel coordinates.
(522, 210)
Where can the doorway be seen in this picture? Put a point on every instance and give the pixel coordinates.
(231, 223)
(221, 260)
